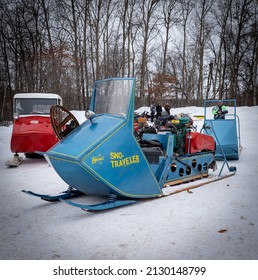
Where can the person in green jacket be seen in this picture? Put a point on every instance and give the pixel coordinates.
(219, 111)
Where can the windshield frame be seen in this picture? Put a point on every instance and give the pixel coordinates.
(112, 96)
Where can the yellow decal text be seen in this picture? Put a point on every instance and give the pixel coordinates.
(117, 159)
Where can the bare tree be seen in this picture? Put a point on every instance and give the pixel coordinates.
(171, 15)
(203, 29)
(240, 28)
(222, 13)
(148, 24)
(186, 7)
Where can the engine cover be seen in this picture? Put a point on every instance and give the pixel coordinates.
(196, 142)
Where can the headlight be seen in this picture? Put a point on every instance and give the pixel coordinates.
(16, 116)
(89, 114)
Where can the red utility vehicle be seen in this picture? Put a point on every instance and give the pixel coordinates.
(32, 129)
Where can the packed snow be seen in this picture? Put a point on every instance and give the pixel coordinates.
(218, 221)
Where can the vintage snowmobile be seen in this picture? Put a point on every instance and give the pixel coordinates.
(102, 156)
(32, 129)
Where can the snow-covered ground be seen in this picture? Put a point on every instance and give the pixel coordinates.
(218, 221)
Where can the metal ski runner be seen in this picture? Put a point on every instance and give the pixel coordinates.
(69, 193)
(112, 202)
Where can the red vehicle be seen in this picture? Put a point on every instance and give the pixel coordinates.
(32, 129)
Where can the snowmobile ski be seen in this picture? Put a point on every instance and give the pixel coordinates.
(69, 193)
(15, 162)
(112, 202)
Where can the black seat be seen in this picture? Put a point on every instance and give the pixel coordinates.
(149, 143)
(152, 154)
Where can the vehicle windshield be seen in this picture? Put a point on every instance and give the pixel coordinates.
(30, 106)
(112, 96)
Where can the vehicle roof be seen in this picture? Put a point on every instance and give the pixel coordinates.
(37, 95)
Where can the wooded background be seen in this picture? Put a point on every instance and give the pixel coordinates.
(180, 51)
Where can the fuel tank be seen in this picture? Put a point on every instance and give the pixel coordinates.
(196, 142)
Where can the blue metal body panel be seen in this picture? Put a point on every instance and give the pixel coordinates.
(106, 165)
(226, 132)
(227, 139)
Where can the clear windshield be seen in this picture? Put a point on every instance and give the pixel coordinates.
(30, 106)
(112, 97)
